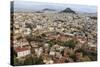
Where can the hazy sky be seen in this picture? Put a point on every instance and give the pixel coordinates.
(29, 5)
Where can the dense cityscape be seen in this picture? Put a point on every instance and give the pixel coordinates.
(50, 37)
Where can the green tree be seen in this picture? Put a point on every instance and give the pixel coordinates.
(70, 43)
(28, 61)
(33, 60)
(17, 62)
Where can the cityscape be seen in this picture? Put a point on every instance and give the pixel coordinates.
(46, 33)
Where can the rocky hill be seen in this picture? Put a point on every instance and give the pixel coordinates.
(68, 10)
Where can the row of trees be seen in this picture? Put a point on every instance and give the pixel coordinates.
(28, 61)
(70, 43)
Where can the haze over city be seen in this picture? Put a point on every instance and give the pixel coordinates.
(34, 6)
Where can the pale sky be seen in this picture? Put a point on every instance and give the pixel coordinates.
(29, 5)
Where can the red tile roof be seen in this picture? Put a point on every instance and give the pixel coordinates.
(19, 49)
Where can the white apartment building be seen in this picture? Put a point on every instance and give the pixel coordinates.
(22, 51)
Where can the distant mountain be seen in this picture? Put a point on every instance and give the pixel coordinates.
(68, 10)
(47, 9)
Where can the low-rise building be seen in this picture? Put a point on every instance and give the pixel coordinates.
(22, 51)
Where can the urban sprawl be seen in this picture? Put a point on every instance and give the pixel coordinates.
(51, 37)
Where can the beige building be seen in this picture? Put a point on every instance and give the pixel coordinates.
(22, 51)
